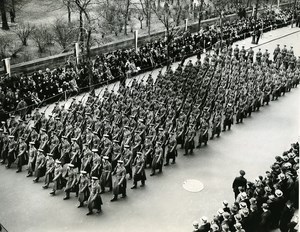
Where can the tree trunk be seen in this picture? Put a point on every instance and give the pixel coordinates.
(3, 15)
(69, 11)
(141, 24)
(80, 26)
(149, 24)
(12, 11)
(126, 16)
(200, 15)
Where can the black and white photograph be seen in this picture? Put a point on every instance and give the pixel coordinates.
(149, 115)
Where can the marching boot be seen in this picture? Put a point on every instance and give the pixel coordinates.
(115, 198)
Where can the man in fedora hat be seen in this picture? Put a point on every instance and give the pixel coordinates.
(239, 181)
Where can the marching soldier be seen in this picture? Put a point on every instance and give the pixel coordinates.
(44, 140)
(258, 56)
(71, 185)
(105, 178)
(32, 154)
(119, 181)
(128, 160)
(216, 125)
(58, 180)
(158, 159)
(239, 112)
(96, 165)
(22, 157)
(50, 165)
(139, 170)
(83, 192)
(171, 149)
(276, 52)
(40, 165)
(267, 92)
(65, 151)
(86, 161)
(75, 150)
(11, 154)
(189, 140)
(228, 121)
(203, 134)
(94, 200)
(4, 150)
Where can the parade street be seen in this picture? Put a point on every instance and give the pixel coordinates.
(163, 205)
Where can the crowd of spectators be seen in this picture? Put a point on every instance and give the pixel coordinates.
(17, 92)
(269, 202)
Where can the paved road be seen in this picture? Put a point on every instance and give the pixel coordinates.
(163, 205)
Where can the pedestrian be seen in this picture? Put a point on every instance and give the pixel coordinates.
(239, 181)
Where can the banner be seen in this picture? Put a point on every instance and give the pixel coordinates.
(136, 37)
(77, 52)
(6, 64)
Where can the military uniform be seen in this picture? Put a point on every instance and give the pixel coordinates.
(119, 181)
(58, 179)
(158, 159)
(94, 200)
(72, 182)
(105, 178)
(32, 155)
(22, 156)
(139, 173)
(84, 192)
(50, 165)
(171, 149)
(40, 165)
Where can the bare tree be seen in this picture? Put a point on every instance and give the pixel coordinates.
(146, 9)
(139, 15)
(109, 17)
(3, 15)
(69, 4)
(4, 46)
(14, 6)
(65, 34)
(220, 6)
(23, 31)
(168, 16)
(41, 38)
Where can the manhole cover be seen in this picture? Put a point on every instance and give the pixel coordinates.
(192, 185)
